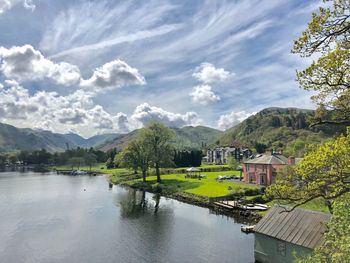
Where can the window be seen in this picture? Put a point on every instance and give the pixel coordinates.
(281, 248)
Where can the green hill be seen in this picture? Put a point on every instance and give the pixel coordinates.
(188, 137)
(16, 139)
(278, 128)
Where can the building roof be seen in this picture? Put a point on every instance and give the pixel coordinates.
(269, 159)
(301, 227)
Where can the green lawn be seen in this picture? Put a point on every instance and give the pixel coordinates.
(207, 187)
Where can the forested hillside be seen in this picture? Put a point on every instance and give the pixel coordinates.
(279, 128)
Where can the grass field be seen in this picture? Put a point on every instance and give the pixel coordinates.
(208, 186)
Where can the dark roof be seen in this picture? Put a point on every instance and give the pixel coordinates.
(269, 159)
(300, 227)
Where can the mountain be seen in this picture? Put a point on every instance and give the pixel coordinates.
(278, 128)
(15, 139)
(93, 141)
(188, 137)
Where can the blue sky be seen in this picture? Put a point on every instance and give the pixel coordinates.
(110, 66)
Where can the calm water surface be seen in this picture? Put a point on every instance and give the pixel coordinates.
(50, 218)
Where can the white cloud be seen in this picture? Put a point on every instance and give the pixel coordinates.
(4, 5)
(208, 73)
(229, 120)
(48, 110)
(113, 74)
(145, 113)
(26, 63)
(29, 4)
(121, 39)
(122, 122)
(203, 95)
(77, 112)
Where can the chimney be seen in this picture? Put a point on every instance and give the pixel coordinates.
(291, 160)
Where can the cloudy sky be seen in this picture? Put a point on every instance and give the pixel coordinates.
(92, 67)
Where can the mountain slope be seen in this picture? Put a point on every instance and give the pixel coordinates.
(93, 141)
(15, 139)
(278, 128)
(12, 139)
(185, 138)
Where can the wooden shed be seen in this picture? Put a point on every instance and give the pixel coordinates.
(281, 235)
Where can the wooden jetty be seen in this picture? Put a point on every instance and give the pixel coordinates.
(239, 205)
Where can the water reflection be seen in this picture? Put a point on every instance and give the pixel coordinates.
(49, 218)
(134, 204)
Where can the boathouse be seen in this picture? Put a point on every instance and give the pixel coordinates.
(281, 235)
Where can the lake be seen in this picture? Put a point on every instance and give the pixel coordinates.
(56, 218)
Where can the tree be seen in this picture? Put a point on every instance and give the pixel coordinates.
(329, 34)
(323, 173)
(3, 159)
(136, 155)
(157, 139)
(260, 147)
(76, 161)
(90, 160)
(298, 148)
(336, 248)
(233, 163)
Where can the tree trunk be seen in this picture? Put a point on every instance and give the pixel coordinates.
(158, 173)
(330, 206)
(144, 175)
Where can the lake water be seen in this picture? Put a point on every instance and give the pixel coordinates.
(50, 218)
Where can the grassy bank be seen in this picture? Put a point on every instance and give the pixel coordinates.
(205, 187)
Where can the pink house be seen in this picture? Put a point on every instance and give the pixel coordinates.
(263, 169)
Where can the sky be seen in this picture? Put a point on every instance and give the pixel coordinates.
(93, 67)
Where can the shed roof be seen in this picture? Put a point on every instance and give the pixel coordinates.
(269, 159)
(300, 227)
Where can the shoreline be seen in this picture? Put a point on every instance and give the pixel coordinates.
(244, 217)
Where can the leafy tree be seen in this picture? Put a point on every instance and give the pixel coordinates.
(337, 246)
(3, 159)
(329, 34)
(136, 155)
(157, 139)
(90, 160)
(323, 173)
(298, 148)
(260, 147)
(110, 163)
(188, 158)
(233, 163)
(13, 159)
(76, 162)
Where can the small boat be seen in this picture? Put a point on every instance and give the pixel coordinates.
(247, 229)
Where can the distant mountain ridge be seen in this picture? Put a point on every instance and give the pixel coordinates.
(186, 138)
(16, 139)
(278, 128)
